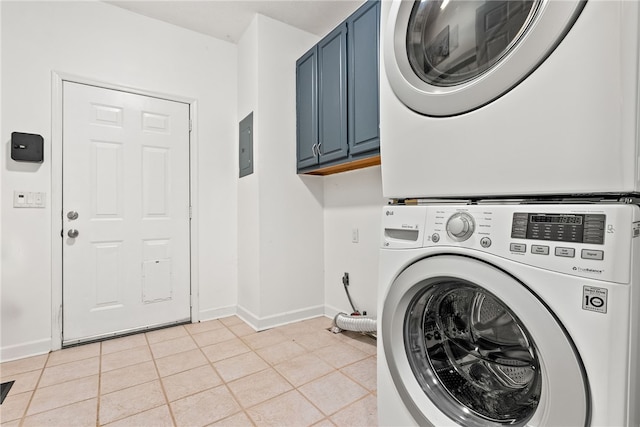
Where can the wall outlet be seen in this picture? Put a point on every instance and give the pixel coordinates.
(355, 235)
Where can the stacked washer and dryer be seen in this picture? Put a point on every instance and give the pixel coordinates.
(509, 289)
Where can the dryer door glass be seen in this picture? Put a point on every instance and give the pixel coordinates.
(451, 41)
(471, 354)
(448, 57)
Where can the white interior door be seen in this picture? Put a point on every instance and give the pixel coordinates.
(126, 215)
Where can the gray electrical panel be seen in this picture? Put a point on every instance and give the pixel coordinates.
(246, 146)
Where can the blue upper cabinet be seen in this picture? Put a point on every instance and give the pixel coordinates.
(332, 96)
(337, 97)
(307, 109)
(364, 100)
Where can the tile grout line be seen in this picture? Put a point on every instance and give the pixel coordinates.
(224, 383)
(294, 388)
(272, 367)
(26, 409)
(164, 392)
(99, 387)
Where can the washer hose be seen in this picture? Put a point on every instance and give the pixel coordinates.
(343, 321)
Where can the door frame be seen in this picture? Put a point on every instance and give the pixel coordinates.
(57, 79)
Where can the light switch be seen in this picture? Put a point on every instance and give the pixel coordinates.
(39, 200)
(355, 235)
(29, 199)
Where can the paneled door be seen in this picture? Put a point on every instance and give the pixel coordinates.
(126, 226)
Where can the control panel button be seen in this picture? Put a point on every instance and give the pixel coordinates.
(435, 237)
(566, 252)
(540, 250)
(519, 225)
(592, 254)
(485, 242)
(518, 247)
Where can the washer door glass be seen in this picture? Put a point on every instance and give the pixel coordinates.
(470, 353)
(451, 42)
(466, 342)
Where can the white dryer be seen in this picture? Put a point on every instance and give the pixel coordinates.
(509, 315)
(509, 98)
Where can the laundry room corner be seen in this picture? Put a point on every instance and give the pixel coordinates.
(353, 202)
(280, 227)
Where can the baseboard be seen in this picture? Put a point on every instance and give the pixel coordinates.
(217, 313)
(20, 351)
(268, 322)
(331, 311)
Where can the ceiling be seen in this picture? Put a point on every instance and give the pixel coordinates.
(227, 19)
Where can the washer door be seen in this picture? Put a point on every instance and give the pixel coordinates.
(448, 57)
(470, 340)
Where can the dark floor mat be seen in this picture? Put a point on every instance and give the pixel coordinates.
(4, 390)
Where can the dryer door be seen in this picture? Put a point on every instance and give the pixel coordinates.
(448, 57)
(467, 341)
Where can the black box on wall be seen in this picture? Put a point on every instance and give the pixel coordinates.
(27, 147)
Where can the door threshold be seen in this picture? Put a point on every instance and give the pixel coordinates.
(115, 335)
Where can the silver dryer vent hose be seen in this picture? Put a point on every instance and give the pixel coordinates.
(355, 323)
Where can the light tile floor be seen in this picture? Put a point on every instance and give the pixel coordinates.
(214, 373)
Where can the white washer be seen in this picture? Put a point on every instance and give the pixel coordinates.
(509, 314)
(504, 98)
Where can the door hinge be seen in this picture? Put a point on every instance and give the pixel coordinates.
(190, 212)
(190, 125)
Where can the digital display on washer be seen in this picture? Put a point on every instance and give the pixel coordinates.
(576, 228)
(557, 219)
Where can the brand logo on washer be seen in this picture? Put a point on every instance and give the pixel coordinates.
(389, 213)
(587, 270)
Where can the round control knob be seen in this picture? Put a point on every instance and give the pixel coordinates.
(460, 226)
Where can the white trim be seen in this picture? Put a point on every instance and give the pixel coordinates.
(268, 322)
(331, 311)
(23, 350)
(57, 78)
(195, 217)
(56, 210)
(216, 313)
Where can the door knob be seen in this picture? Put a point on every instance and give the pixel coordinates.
(72, 215)
(73, 233)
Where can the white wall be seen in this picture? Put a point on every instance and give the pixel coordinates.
(248, 206)
(284, 241)
(352, 200)
(101, 42)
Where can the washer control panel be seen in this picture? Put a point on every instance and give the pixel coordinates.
(559, 227)
(586, 240)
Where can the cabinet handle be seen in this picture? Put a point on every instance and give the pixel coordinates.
(319, 145)
(313, 149)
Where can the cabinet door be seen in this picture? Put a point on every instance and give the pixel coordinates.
(332, 95)
(363, 48)
(307, 108)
